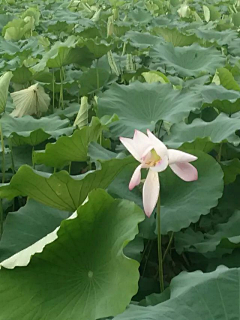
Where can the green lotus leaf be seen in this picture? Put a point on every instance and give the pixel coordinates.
(82, 284)
(174, 36)
(97, 152)
(32, 12)
(70, 17)
(187, 61)
(57, 56)
(211, 13)
(231, 169)
(119, 187)
(93, 80)
(155, 298)
(96, 46)
(5, 18)
(69, 112)
(16, 29)
(68, 56)
(22, 75)
(155, 76)
(60, 26)
(141, 40)
(140, 16)
(236, 19)
(27, 130)
(226, 79)
(230, 200)
(225, 235)
(229, 260)
(234, 47)
(30, 48)
(67, 149)
(60, 190)
(197, 296)
(4, 84)
(209, 34)
(178, 211)
(9, 47)
(141, 105)
(203, 135)
(26, 226)
(20, 155)
(227, 101)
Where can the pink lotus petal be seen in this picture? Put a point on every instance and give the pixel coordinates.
(161, 165)
(142, 143)
(176, 156)
(131, 146)
(136, 178)
(151, 189)
(185, 171)
(146, 155)
(158, 145)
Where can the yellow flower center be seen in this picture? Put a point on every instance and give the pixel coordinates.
(154, 159)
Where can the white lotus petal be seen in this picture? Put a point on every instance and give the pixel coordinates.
(176, 156)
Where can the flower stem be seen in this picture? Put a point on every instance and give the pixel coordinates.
(3, 154)
(61, 103)
(219, 156)
(33, 163)
(168, 246)
(98, 84)
(53, 91)
(3, 179)
(1, 219)
(12, 157)
(160, 260)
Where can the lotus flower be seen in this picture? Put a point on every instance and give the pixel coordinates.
(154, 155)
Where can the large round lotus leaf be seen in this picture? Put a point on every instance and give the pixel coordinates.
(97, 47)
(226, 235)
(140, 16)
(184, 202)
(203, 135)
(57, 56)
(22, 75)
(93, 80)
(26, 226)
(60, 190)
(231, 169)
(187, 61)
(227, 101)
(81, 275)
(68, 17)
(225, 77)
(28, 130)
(212, 35)
(20, 156)
(195, 296)
(214, 92)
(141, 40)
(234, 47)
(68, 149)
(174, 36)
(141, 105)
